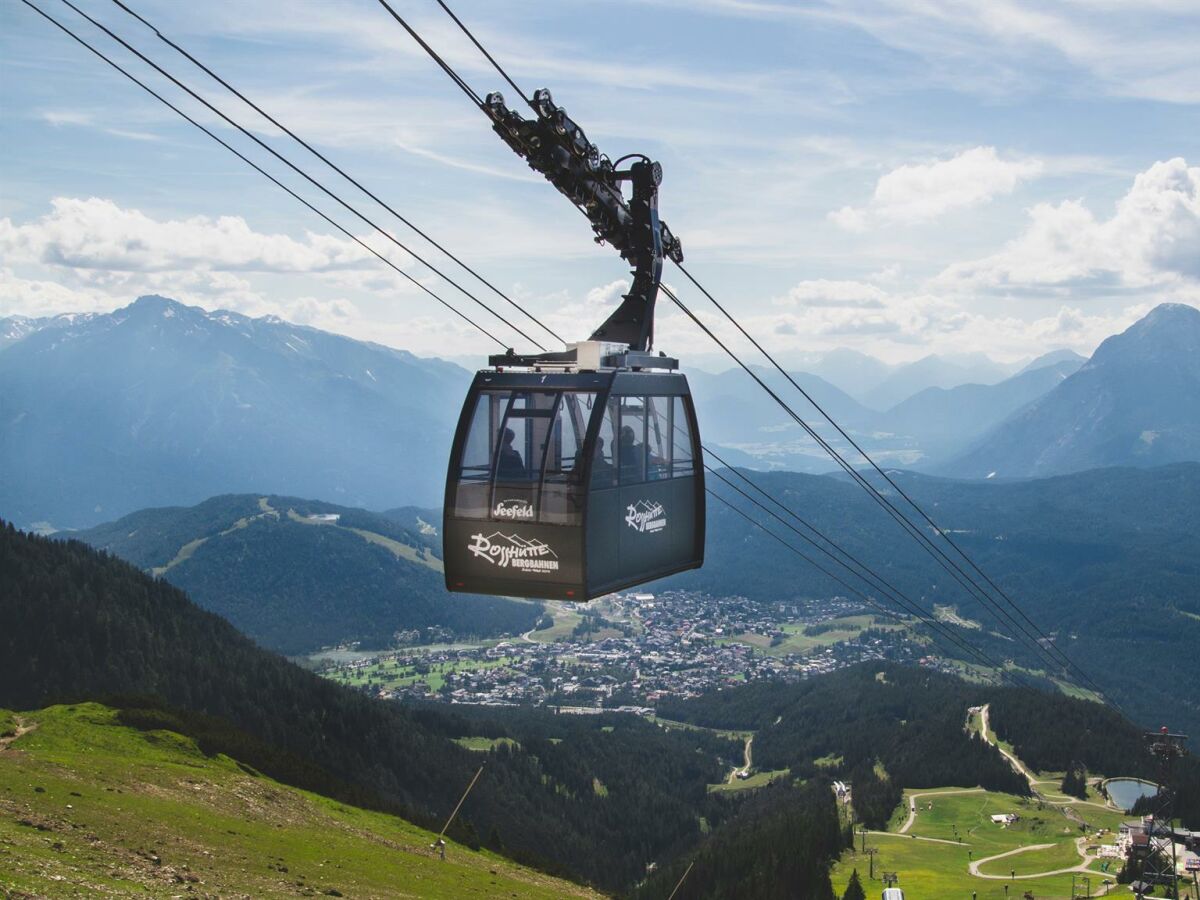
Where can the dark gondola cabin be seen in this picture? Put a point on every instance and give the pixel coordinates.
(572, 485)
(578, 472)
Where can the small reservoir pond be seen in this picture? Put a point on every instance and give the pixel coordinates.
(1126, 791)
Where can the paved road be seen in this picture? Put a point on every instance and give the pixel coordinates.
(973, 868)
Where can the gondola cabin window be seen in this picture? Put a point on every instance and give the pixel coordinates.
(681, 431)
(523, 457)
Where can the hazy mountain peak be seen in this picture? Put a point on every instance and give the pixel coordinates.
(1133, 404)
(1053, 358)
(1170, 330)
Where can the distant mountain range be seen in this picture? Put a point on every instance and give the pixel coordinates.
(1136, 402)
(930, 426)
(297, 575)
(161, 404)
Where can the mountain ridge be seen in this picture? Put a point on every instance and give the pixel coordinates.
(298, 575)
(160, 403)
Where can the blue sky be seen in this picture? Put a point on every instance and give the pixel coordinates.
(896, 176)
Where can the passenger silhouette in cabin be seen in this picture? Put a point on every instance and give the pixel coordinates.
(601, 467)
(630, 455)
(510, 466)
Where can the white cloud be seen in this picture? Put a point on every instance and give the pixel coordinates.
(823, 292)
(98, 234)
(1152, 239)
(926, 191)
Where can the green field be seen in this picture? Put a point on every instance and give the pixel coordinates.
(958, 829)
(92, 808)
(565, 620)
(484, 744)
(845, 628)
(757, 780)
(387, 674)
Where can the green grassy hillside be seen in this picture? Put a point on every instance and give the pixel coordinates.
(89, 805)
(297, 575)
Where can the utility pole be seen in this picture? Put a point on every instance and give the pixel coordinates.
(871, 855)
(889, 879)
(1160, 865)
(440, 844)
(682, 878)
(864, 838)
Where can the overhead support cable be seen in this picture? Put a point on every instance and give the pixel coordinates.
(258, 168)
(847, 560)
(307, 177)
(483, 50)
(445, 66)
(323, 158)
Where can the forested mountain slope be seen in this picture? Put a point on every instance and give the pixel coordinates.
(76, 624)
(912, 722)
(297, 575)
(907, 720)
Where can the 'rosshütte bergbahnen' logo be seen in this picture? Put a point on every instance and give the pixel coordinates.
(646, 516)
(511, 551)
(512, 509)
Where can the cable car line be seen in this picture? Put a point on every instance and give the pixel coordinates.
(871, 462)
(386, 234)
(955, 571)
(319, 155)
(854, 564)
(259, 169)
(912, 609)
(1048, 651)
(1052, 650)
(392, 265)
(999, 671)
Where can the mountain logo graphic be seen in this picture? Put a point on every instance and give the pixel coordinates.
(511, 551)
(646, 516)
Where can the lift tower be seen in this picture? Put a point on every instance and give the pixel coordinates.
(1160, 863)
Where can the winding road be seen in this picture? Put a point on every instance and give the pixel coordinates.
(1088, 859)
(746, 767)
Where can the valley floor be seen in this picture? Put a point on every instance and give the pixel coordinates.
(90, 808)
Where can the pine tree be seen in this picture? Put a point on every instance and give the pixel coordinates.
(854, 890)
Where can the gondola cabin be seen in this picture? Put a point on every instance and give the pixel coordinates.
(572, 484)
